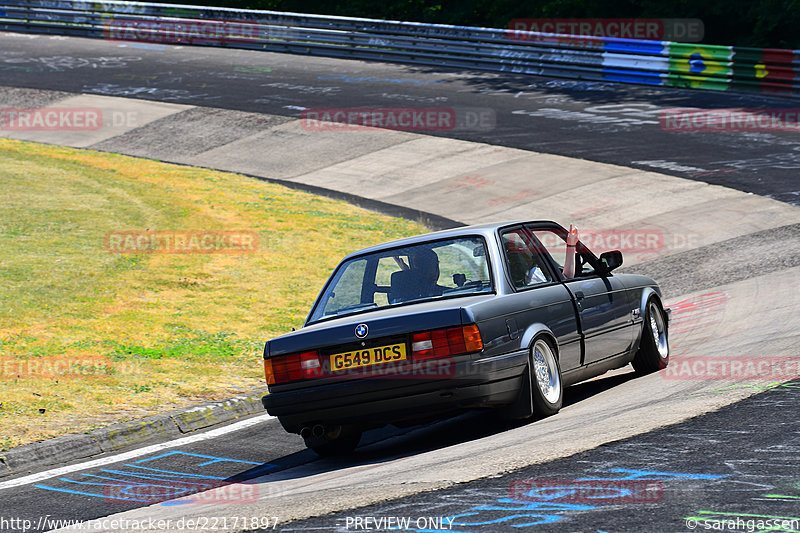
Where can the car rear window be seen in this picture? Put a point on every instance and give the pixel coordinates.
(432, 270)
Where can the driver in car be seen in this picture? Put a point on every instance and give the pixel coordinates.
(425, 265)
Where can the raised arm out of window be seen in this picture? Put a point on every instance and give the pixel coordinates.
(569, 261)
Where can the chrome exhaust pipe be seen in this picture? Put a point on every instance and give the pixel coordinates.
(319, 431)
(306, 432)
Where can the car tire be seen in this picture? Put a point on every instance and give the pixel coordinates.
(343, 443)
(653, 353)
(547, 388)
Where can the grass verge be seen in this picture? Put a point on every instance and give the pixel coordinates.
(89, 337)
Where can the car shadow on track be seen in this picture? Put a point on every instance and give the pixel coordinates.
(392, 443)
(587, 389)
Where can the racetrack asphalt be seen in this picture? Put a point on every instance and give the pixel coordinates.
(605, 122)
(709, 473)
(741, 263)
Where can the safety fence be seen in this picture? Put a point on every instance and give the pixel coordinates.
(662, 63)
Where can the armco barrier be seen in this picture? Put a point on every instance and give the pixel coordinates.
(661, 63)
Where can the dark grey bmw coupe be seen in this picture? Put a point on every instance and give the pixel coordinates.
(492, 316)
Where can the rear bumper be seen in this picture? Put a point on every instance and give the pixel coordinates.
(376, 402)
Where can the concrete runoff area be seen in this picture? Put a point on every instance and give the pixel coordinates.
(82, 121)
(754, 316)
(460, 180)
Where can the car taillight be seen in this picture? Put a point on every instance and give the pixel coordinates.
(310, 365)
(292, 367)
(445, 342)
(269, 373)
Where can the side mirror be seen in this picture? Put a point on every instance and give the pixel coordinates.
(611, 260)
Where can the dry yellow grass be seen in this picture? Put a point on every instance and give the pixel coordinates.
(89, 337)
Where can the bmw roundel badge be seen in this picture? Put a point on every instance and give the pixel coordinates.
(361, 331)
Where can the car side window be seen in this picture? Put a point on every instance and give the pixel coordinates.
(526, 266)
(556, 246)
(584, 265)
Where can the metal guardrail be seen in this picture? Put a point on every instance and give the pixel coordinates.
(663, 63)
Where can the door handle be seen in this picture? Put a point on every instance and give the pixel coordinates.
(579, 295)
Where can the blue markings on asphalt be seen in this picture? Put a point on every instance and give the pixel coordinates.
(59, 489)
(214, 459)
(180, 474)
(650, 474)
(540, 507)
(528, 519)
(156, 477)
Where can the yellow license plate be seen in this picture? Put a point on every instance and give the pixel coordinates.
(368, 356)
